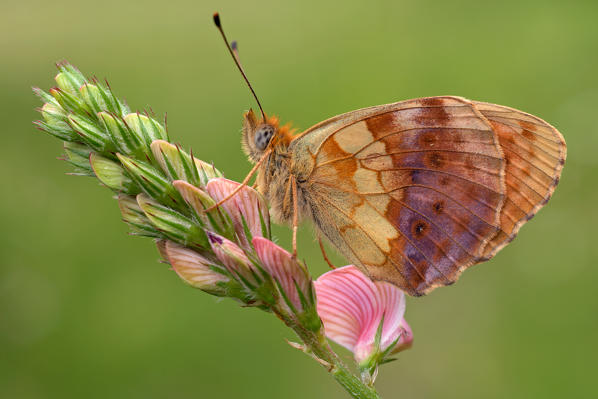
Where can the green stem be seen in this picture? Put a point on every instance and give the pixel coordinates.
(318, 347)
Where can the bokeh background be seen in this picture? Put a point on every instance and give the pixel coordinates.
(87, 311)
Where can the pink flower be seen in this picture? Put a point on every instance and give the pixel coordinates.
(352, 306)
(286, 272)
(192, 268)
(246, 204)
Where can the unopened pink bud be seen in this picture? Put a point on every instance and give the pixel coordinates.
(286, 271)
(191, 267)
(246, 204)
(234, 259)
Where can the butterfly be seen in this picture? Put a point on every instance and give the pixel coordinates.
(412, 192)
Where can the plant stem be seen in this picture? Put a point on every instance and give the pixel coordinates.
(317, 346)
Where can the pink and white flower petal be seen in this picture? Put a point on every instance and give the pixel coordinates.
(393, 307)
(233, 258)
(351, 307)
(247, 204)
(285, 270)
(406, 340)
(191, 267)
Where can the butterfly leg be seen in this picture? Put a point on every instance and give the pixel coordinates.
(295, 215)
(240, 186)
(324, 253)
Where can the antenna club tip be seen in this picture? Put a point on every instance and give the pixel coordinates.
(233, 44)
(216, 18)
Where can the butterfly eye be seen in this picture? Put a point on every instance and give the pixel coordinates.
(262, 137)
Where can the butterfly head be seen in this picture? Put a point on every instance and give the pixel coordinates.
(260, 135)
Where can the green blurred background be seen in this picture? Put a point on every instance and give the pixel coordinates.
(87, 311)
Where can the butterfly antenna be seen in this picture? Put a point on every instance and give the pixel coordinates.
(234, 54)
(235, 48)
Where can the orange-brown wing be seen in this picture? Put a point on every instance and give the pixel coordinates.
(535, 153)
(411, 192)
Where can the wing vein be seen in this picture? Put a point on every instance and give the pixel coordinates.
(446, 173)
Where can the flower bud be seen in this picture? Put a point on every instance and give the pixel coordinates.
(247, 209)
(361, 315)
(92, 96)
(125, 140)
(53, 113)
(145, 128)
(206, 171)
(193, 268)
(291, 277)
(77, 154)
(69, 78)
(112, 174)
(134, 216)
(67, 82)
(199, 201)
(70, 102)
(171, 223)
(89, 132)
(150, 180)
(54, 126)
(235, 261)
(174, 162)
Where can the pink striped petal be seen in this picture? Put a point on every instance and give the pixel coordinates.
(247, 202)
(191, 267)
(351, 307)
(286, 271)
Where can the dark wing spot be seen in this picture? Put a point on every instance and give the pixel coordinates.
(528, 135)
(414, 175)
(427, 140)
(419, 228)
(432, 113)
(438, 207)
(528, 129)
(436, 160)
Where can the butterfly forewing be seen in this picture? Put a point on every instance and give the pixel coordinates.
(534, 155)
(411, 191)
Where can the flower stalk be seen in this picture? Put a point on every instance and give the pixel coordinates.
(163, 192)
